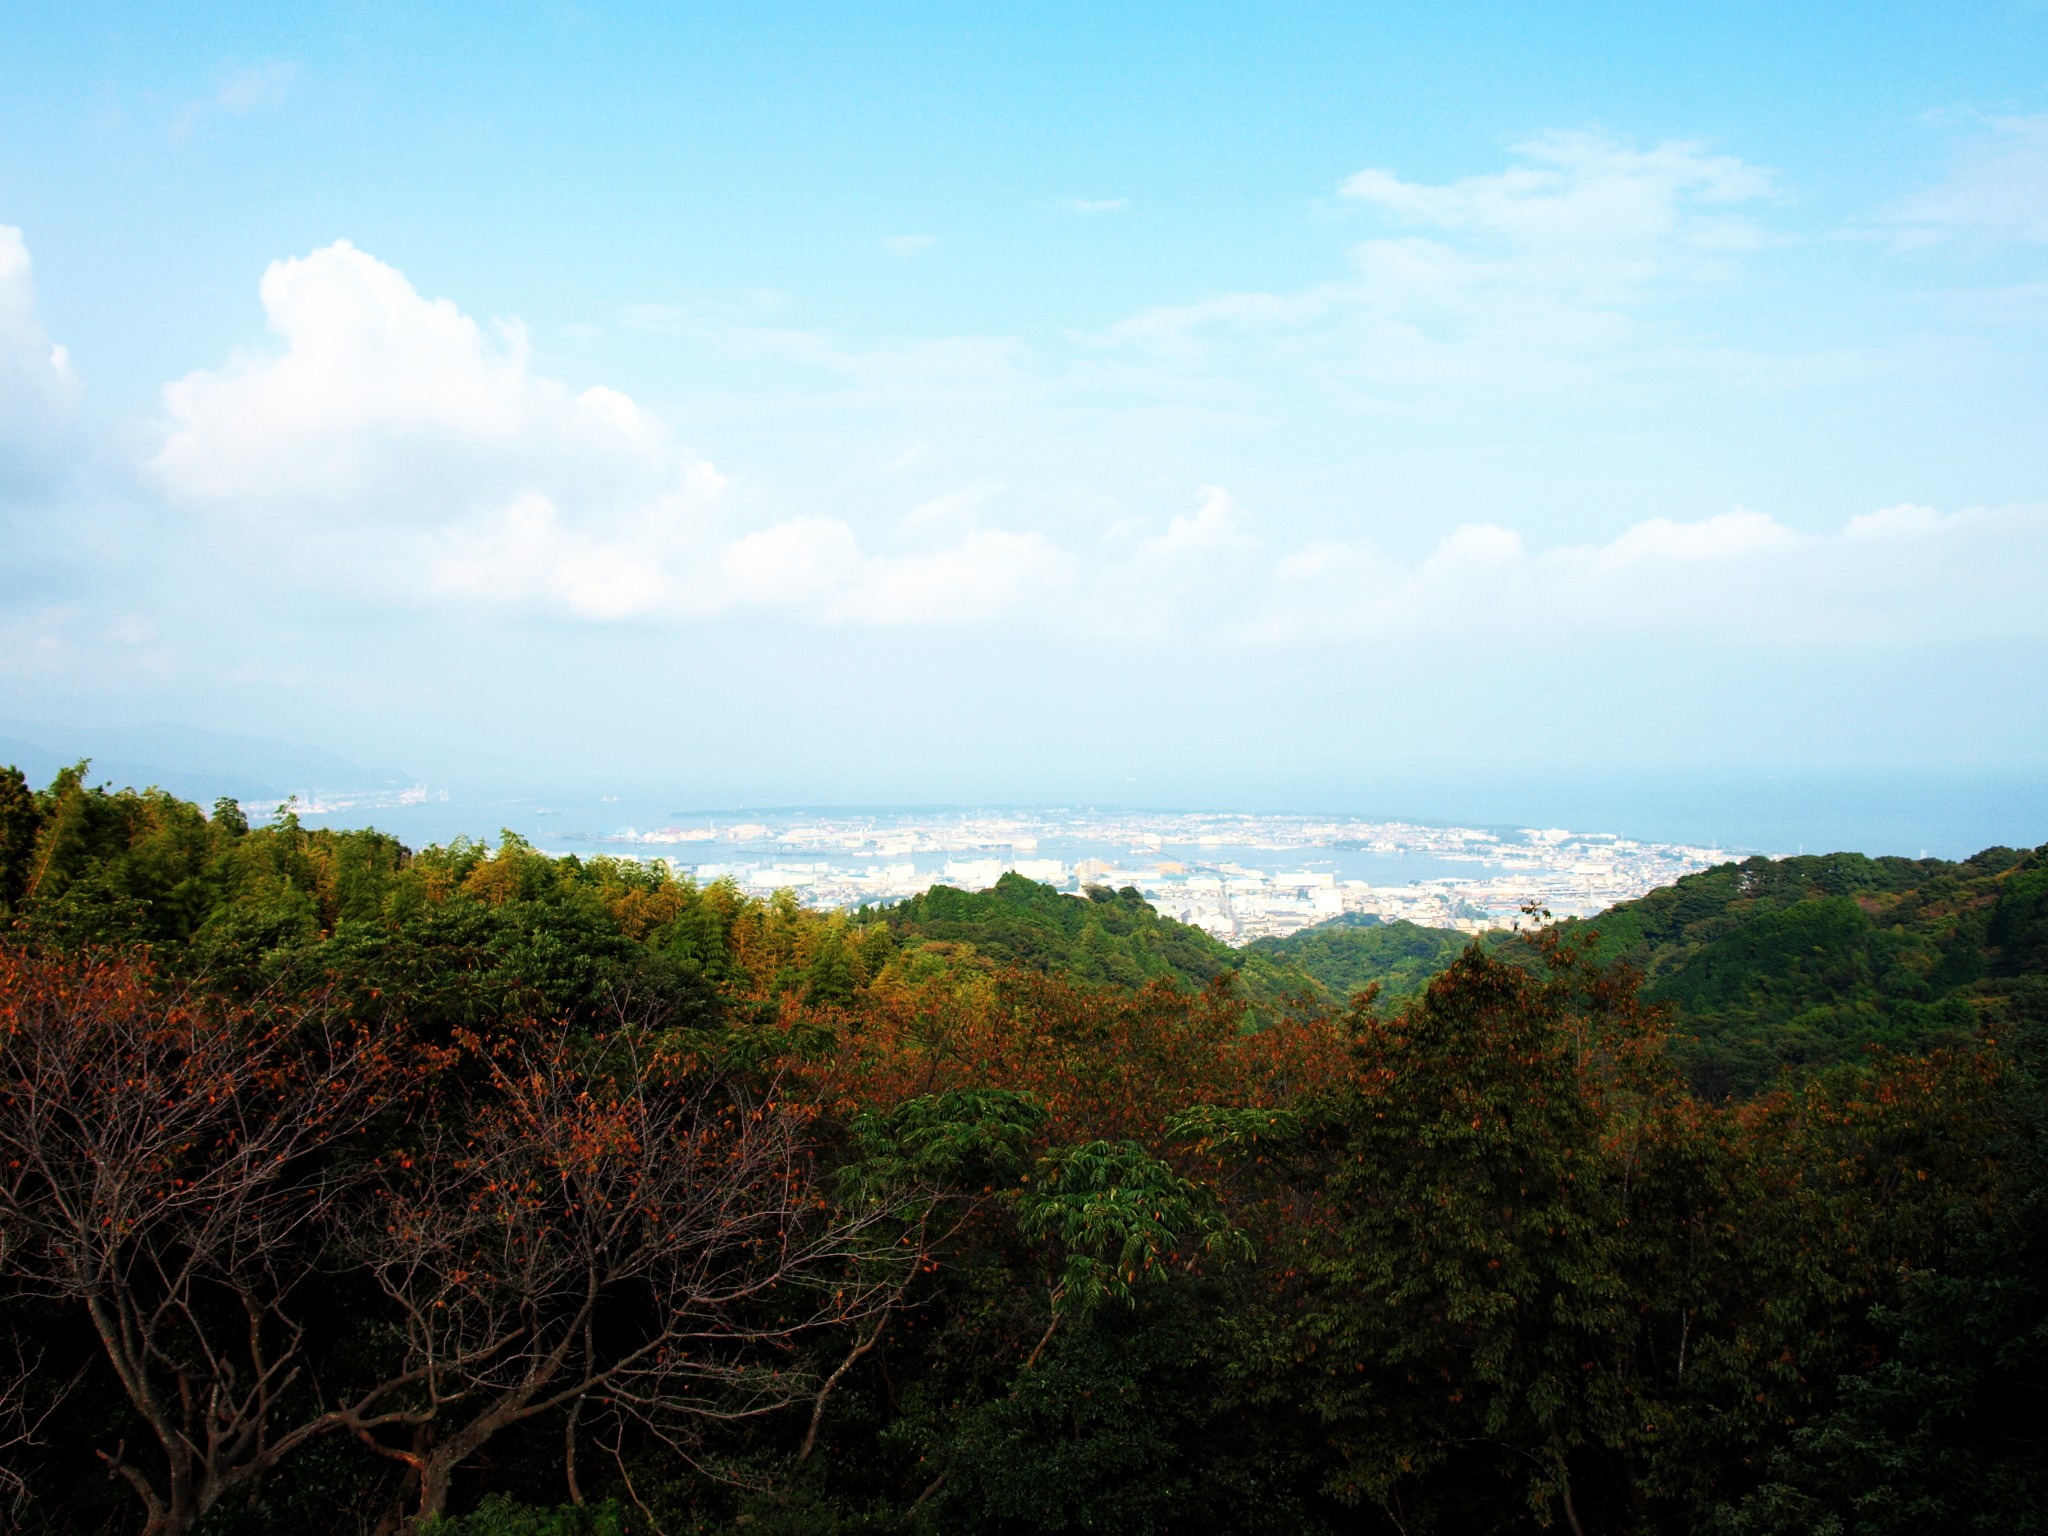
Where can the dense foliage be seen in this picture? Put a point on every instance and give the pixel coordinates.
(1109, 937)
(471, 1190)
(1348, 954)
(1805, 962)
(1777, 964)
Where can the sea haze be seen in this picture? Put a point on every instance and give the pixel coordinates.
(1910, 812)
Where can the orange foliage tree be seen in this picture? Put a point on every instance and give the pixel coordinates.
(1107, 1064)
(581, 1224)
(168, 1165)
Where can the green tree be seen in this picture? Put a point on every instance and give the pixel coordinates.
(20, 820)
(1463, 1308)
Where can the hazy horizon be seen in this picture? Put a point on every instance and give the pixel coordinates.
(1779, 810)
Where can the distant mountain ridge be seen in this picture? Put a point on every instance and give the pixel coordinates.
(195, 764)
(1772, 965)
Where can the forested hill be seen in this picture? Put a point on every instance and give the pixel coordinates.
(1768, 964)
(1105, 937)
(1777, 964)
(1117, 937)
(1346, 956)
(1805, 962)
(284, 903)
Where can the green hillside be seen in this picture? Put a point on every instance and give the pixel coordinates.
(1768, 964)
(1347, 955)
(1113, 937)
(1777, 964)
(1804, 962)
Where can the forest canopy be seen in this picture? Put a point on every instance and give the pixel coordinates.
(474, 1190)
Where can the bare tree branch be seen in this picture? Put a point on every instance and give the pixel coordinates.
(168, 1166)
(586, 1223)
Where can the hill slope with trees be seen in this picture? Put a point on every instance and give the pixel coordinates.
(1772, 965)
(471, 1191)
(1103, 936)
(1805, 962)
(1346, 956)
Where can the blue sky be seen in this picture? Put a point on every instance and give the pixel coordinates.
(1216, 403)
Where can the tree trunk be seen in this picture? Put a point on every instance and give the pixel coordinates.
(1571, 1514)
(439, 1466)
(437, 1479)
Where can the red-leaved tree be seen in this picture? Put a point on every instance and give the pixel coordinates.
(578, 1225)
(169, 1166)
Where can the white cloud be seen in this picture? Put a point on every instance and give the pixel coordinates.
(1900, 575)
(75, 646)
(37, 385)
(909, 245)
(386, 404)
(814, 565)
(1157, 585)
(392, 441)
(949, 511)
(1997, 190)
(1539, 281)
(913, 454)
(1097, 204)
(1905, 521)
(987, 576)
(394, 438)
(1586, 213)
(1662, 542)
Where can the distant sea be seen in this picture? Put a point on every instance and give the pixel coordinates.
(1931, 815)
(1948, 813)
(588, 827)
(1913, 812)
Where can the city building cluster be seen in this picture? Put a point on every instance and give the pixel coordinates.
(1238, 877)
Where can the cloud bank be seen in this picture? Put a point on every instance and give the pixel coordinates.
(1536, 282)
(394, 444)
(1904, 575)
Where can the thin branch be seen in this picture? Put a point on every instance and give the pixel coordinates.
(618, 1455)
(832, 1381)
